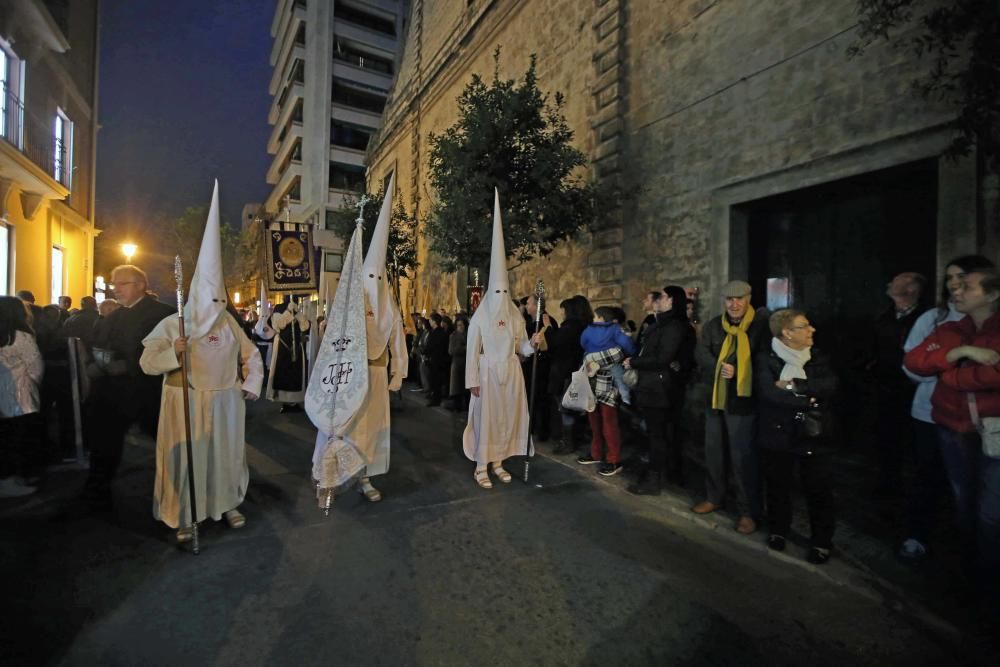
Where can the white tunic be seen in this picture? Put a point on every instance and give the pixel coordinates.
(218, 414)
(498, 417)
(369, 427)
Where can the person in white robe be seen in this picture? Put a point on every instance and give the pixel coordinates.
(498, 410)
(225, 370)
(388, 362)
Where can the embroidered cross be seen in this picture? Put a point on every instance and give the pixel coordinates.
(341, 344)
(501, 323)
(371, 313)
(212, 338)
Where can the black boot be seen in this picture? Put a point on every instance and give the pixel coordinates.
(648, 484)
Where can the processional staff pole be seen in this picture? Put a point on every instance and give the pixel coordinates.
(179, 277)
(539, 306)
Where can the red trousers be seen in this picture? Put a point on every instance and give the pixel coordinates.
(604, 426)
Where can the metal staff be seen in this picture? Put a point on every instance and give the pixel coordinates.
(179, 277)
(539, 305)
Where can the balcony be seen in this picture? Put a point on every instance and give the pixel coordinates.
(361, 35)
(28, 150)
(290, 153)
(355, 116)
(292, 94)
(290, 115)
(290, 185)
(283, 68)
(362, 75)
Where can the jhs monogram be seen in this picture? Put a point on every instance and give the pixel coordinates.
(338, 375)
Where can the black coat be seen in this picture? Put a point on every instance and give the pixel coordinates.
(565, 354)
(668, 341)
(707, 353)
(135, 394)
(81, 326)
(436, 348)
(777, 425)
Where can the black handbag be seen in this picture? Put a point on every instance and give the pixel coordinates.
(810, 423)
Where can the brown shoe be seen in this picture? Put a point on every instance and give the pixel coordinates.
(704, 507)
(746, 525)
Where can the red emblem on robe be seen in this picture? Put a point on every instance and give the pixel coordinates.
(501, 323)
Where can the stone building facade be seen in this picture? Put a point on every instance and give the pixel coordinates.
(752, 146)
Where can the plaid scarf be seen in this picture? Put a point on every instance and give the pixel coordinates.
(603, 383)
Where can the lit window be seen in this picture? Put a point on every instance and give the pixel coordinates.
(63, 147)
(5, 246)
(57, 274)
(11, 109)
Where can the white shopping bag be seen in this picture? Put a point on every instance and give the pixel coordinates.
(579, 396)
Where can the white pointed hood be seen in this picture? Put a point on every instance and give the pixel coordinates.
(499, 321)
(381, 312)
(207, 294)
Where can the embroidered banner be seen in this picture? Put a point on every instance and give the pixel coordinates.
(290, 259)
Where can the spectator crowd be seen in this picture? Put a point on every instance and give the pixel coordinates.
(769, 419)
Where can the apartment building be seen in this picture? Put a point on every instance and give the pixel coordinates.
(48, 133)
(333, 64)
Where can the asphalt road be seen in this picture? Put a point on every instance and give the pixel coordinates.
(567, 570)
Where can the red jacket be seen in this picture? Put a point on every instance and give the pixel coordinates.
(950, 401)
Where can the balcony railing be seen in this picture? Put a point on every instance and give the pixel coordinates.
(34, 138)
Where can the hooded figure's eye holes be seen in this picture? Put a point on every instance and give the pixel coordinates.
(498, 291)
(371, 275)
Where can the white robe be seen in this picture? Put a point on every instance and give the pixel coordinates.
(498, 417)
(369, 430)
(218, 415)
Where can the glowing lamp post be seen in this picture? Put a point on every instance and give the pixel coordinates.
(129, 250)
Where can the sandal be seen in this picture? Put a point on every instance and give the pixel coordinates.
(501, 474)
(235, 519)
(483, 478)
(185, 534)
(366, 489)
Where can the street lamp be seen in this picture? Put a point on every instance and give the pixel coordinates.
(236, 298)
(129, 249)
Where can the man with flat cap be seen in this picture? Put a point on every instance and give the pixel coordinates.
(725, 355)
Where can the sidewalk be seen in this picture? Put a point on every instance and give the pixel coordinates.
(865, 542)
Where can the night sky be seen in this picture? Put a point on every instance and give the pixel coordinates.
(183, 99)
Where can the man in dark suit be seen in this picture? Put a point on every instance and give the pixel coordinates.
(438, 358)
(124, 395)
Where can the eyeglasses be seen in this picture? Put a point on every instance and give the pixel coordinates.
(130, 282)
(802, 326)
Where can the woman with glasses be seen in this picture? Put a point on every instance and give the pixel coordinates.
(793, 384)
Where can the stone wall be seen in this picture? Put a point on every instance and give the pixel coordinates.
(696, 105)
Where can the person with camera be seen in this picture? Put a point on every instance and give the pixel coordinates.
(793, 385)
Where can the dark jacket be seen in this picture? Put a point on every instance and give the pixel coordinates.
(81, 326)
(707, 353)
(135, 394)
(890, 335)
(436, 348)
(566, 354)
(777, 408)
(667, 341)
(541, 360)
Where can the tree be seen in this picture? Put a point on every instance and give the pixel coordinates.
(962, 39)
(401, 249)
(510, 137)
(239, 249)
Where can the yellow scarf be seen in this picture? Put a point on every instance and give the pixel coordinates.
(735, 335)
